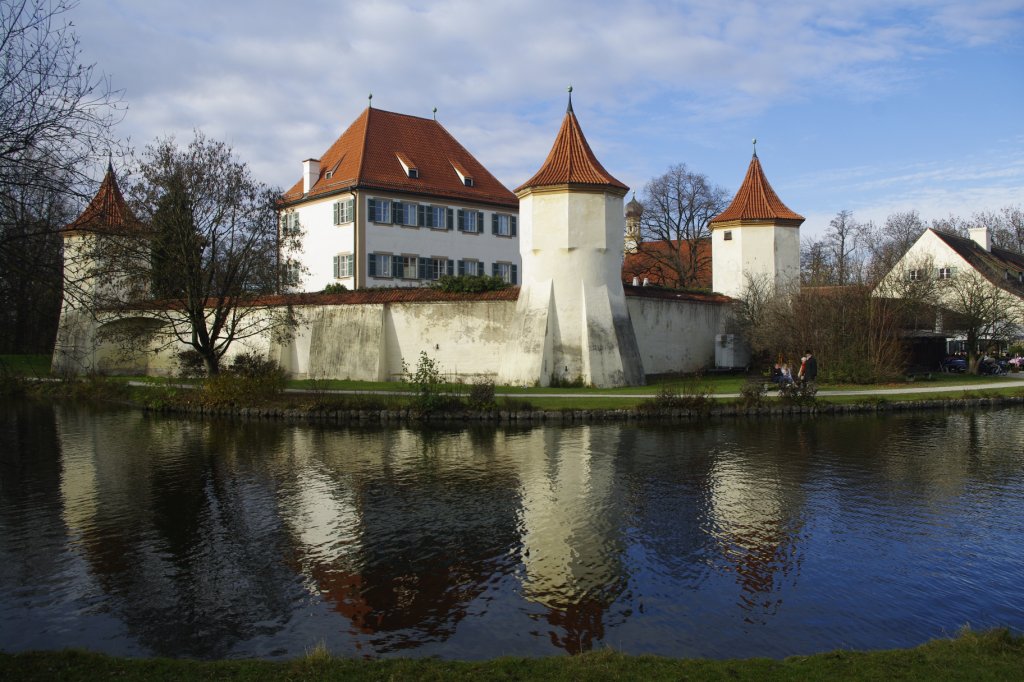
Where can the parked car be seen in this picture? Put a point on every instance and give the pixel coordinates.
(953, 364)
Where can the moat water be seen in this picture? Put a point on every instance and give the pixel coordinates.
(140, 535)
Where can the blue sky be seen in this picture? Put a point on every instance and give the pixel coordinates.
(871, 106)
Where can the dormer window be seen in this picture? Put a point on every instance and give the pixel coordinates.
(411, 171)
(463, 174)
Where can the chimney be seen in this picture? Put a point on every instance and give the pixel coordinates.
(310, 174)
(982, 237)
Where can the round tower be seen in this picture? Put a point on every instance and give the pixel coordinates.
(572, 316)
(756, 238)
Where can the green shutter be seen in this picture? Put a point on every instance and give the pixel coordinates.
(451, 218)
(371, 266)
(494, 223)
(512, 226)
(396, 267)
(372, 209)
(449, 267)
(337, 213)
(515, 278)
(421, 215)
(462, 220)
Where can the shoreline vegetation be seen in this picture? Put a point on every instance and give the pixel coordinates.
(987, 655)
(259, 391)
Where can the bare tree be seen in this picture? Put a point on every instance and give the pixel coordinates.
(56, 118)
(1006, 225)
(845, 242)
(816, 267)
(215, 259)
(980, 309)
(678, 207)
(888, 243)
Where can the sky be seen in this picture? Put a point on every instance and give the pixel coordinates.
(871, 106)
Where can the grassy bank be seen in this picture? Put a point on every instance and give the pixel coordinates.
(992, 655)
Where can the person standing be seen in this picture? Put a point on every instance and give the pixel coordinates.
(810, 368)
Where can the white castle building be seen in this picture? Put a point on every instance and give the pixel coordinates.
(571, 319)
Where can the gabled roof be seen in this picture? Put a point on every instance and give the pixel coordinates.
(371, 152)
(571, 161)
(756, 201)
(107, 212)
(993, 265)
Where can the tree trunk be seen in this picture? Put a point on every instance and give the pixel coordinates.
(212, 363)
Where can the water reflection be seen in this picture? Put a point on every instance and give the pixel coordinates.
(135, 534)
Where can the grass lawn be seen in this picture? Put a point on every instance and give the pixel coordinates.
(992, 655)
(25, 365)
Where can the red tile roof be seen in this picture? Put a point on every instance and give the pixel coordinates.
(674, 294)
(756, 200)
(653, 260)
(107, 212)
(571, 161)
(395, 295)
(366, 156)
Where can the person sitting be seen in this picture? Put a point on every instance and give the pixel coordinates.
(787, 374)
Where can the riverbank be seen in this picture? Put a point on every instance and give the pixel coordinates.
(990, 655)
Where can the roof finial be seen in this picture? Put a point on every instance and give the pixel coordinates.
(569, 109)
(110, 161)
(755, 147)
(435, 113)
(371, 100)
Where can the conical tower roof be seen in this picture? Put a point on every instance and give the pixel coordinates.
(756, 201)
(571, 161)
(107, 212)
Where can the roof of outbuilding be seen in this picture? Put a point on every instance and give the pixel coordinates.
(107, 212)
(370, 153)
(756, 200)
(571, 161)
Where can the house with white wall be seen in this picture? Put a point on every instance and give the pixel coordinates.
(398, 201)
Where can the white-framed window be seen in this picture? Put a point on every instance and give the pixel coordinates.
(471, 221)
(438, 217)
(379, 210)
(727, 236)
(434, 268)
(470, 267)
(405, 213)
(289, 224)
(379, 265)
(344, 265)
(915, 275)
(292, 273)
(503, 225)
(507, 271)
(945, 273)
(344, 211)
(404, 267)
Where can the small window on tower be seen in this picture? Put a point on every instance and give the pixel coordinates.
(727, 236)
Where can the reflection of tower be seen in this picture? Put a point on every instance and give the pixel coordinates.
(634, 212)
(571, 545)
(756, 508)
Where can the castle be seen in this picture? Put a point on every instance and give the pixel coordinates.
(571, 318)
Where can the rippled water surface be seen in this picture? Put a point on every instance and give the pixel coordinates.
(142, 535)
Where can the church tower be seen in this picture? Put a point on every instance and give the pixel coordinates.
(756, 237)
(634, 212)
(571, 317)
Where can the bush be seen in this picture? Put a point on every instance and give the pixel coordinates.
(689, 396)
(798, 394)
(516, 405)
(334, 288)
(481, 395)
(191, 364)
(427, 380)
(559, 381)
(753, 392)
(469, 284)
(250, 379)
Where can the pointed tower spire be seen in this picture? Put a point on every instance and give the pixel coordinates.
(756, 200)
(107, 212)
(571, 161)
